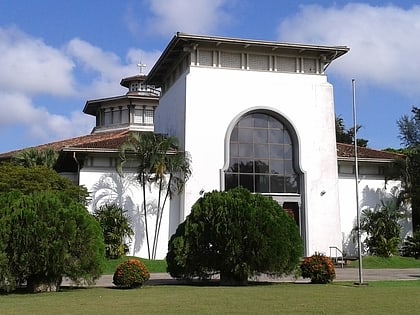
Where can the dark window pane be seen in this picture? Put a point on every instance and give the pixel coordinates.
(234, 149)
(276, 151)
(288, 154)
(245, 135)
(234, 134)
(292, 184)
(261, 150)
(261, 166)
(233, 165)
(246, 150)
(288, 167)
(277, 167)
(287, 138)
(247, 121)
(276, 184)
(247, 181)
(274, 123)
(260, 135)
(260, 120)
(246, 166)
(261, 183)
(231, 181)
(276, 136)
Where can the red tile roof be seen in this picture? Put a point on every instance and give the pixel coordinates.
(346, 151)
(98, 141)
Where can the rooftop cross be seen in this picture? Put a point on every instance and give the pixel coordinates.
(141, 66)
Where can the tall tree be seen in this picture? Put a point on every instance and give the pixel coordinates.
(409, 128)
(159, 163)
(344, 135)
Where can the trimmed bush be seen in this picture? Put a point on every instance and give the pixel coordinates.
(411, 247)
(45, 236)
(130, 274)
(319, 268)
(237, 234)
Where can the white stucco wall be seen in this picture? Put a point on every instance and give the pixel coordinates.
(106, 186)
(215, 98)
(372, 191)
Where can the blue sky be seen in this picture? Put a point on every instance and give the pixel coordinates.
(56, 54)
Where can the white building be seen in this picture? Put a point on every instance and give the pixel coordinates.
(252, 113)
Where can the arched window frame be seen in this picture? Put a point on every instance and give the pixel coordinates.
(294, 140)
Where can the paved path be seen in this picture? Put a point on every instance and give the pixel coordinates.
(342, 274)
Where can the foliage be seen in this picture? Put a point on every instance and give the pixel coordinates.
(45, 236)
(344, 135)
(237, 234)
(116, 229)
(319, 268)
(33, 157)
(411, 247)
(382, 229)
(130, 274)
(161, 163)
(409, 128)
(28, 180)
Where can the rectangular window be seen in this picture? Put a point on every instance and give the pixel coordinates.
(138, 116)
(148, 116)
(230, 60)
(205, 58)
(108, 117)
(309, 65)
(258, 62)
(124, 116)
(286, 64)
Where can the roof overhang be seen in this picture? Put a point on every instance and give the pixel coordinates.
(181, 43)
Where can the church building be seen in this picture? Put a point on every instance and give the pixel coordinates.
(257, 114)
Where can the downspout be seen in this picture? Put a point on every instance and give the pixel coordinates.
(78, 167)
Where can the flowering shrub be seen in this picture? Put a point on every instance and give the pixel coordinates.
(319, 268)
(130, 274)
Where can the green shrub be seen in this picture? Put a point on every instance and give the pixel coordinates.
(319, 268)
(411, 247)
(45, 236)
(116, 229)
(237, 234)
(130, 274)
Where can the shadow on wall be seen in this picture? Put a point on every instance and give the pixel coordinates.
(373, 199)
(111, 188)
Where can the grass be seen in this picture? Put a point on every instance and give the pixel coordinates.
(152, 265)
(285, 298)
(369, 262)
(394, 262)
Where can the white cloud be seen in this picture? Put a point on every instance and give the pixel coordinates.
(61, 76)
(37, 122)
(30, 66)
(198, 16)
(383, 41)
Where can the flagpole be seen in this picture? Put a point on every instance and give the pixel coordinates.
(356, 175)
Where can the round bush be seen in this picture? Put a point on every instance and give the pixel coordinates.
(131, 274)
(237, 234)
(319, 268)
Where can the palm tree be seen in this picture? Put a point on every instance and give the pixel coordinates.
(159, 163)
(33, 157)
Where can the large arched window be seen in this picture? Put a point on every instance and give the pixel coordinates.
(261, 156)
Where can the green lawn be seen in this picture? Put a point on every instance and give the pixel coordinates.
(286, 298)
(395, 262)
(369, 262)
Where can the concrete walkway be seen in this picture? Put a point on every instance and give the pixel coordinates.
(342, 274)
